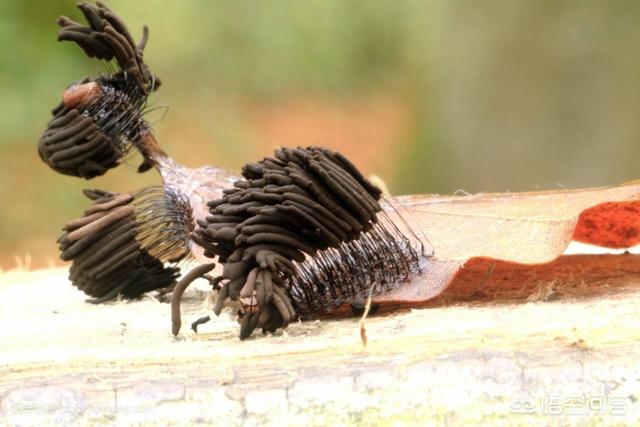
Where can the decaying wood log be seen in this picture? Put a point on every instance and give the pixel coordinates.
(561, 353)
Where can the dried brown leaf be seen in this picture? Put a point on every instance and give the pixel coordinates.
(487, 242)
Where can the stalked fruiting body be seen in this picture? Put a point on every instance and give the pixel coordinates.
(128, 244)
(303, 233)
(149, 229)
(100, 119)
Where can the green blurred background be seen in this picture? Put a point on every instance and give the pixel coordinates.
(431, 95)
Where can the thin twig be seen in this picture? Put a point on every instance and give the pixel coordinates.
(363, 329)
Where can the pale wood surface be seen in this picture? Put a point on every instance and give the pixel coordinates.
(65, 361)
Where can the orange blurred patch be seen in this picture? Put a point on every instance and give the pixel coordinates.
(366, 130)
(611, 225)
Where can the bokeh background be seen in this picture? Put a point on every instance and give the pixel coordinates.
(431, 95)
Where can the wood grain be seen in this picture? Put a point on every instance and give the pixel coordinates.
(65, 361)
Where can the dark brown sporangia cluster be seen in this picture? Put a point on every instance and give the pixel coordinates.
(92, 130)
(300, 235)
(128, 244)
